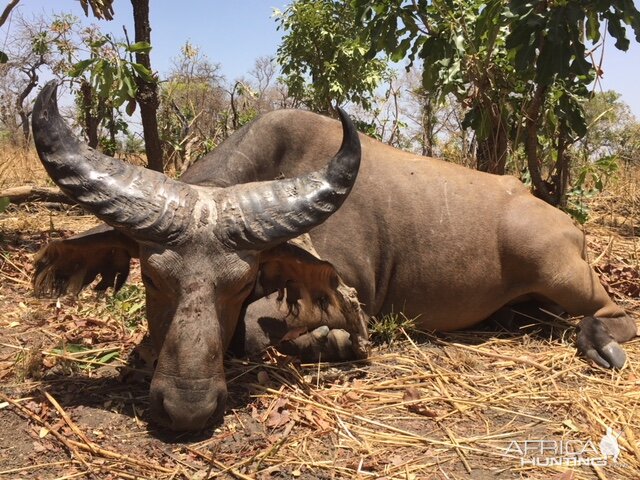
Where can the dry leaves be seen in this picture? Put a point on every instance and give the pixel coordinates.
(412, 399)
(620, 279)
(287, 421)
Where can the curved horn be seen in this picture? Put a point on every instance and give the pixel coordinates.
(141, 202)
(261, 215)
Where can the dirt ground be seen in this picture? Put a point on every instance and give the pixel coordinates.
(502, 401)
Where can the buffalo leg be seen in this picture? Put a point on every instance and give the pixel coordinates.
(605, 325)
(267, 322)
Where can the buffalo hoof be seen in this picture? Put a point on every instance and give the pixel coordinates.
(596, 343)
(321, 344)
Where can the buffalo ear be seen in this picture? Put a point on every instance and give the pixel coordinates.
(300, 278)
(313, 290)
(67, 266)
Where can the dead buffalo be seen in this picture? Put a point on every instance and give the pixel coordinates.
(228, 241)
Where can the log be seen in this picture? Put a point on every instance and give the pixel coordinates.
(28, 193)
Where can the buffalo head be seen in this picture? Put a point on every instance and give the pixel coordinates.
(200, 249)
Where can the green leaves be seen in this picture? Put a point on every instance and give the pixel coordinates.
(143, 72)
(324, 54)
(79, 68)
(590, 180)
(569, 111)
(112, 75)
(85, 357)
(4, 203)
(513, 65)
(129, 305)
(139, 47)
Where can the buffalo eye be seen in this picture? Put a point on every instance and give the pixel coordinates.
(146, 279)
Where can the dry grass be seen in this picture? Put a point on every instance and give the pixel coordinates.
(20, 167)
(75, 377)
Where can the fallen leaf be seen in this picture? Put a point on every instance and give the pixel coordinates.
(352, 396)
(33, 407)
(277, 419)
(254, 414)
(413, 395)
(49, 362)
(288, 428)
(279, 403)
(263, 378)
(38, 447)
(319, 418)
(43, 432)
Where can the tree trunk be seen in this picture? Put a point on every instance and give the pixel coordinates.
(561, 169)
(26, 127)
(32, 74)
(7, 11)
(541, 188)
(17, 195)
(234, 109)
(90, 121)
(147, 96)
(491, 154)
(428, 125)
(110, 147)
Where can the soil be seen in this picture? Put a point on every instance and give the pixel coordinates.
(75, 374)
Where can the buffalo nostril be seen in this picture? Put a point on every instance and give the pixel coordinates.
(188, 416)
(158, 412)
(186, 405)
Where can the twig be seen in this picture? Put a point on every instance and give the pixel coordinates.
(122, 458)
(68, 420)
(599, 473)
(499, 356)
(32, 467)
(28, 193)
(224, 468)
(67, 443)
(457, 449)
(7, 11)
(72, 445)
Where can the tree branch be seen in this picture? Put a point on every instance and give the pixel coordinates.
(7, 11)
(531, 145)
(28, 193)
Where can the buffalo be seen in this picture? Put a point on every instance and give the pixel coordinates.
(253, 246)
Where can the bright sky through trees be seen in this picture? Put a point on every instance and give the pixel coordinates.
(235, 33)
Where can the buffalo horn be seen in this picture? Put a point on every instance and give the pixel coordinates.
(143, 203)
(261, 215)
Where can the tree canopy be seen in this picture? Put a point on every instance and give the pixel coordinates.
(520, 68)
(323, 55)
